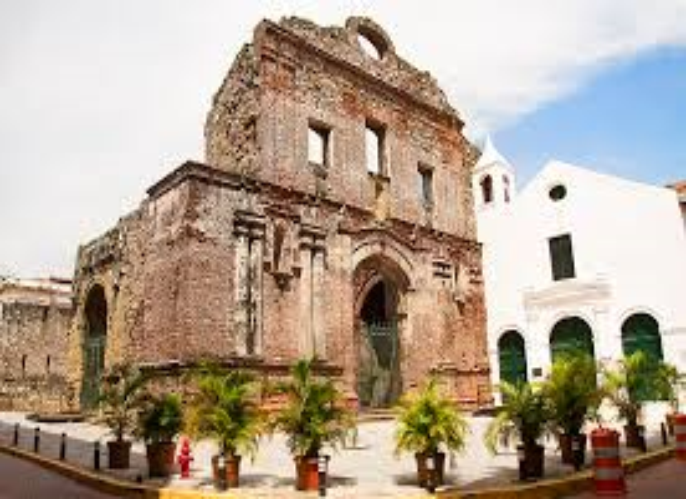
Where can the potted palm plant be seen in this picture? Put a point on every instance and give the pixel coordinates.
(225, 409)
(119, 402)
(429, 423)
(671, 382)
(160, 420)
(314, 416)
(633, 381)
(525, 415)
(574, 397)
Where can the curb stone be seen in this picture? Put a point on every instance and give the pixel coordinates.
(557, 487)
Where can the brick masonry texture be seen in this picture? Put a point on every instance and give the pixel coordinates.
(258, 257)
(35, 316)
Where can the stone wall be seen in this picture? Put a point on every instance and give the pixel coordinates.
(34, 324)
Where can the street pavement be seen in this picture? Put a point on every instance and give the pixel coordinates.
(21, 479)
(663, 481)
(368, 468)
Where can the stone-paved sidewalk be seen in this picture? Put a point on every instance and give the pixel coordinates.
(369, 469)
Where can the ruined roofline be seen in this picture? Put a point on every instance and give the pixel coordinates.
(58, 288)
(283, 29)
(195, 170)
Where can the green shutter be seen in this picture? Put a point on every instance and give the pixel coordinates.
(641, 333)
(571, 336)
(562, 257)
(512, 358)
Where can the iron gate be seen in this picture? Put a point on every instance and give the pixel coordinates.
(379, 375)
(93, 366)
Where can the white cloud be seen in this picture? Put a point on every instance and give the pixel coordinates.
(99, 99)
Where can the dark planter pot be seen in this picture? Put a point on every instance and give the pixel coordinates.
(530, 461)
(307, 473)
(233, 470)
(567, 449)
(424, 474)
(119, 454)
(160, 458)
(634, 435)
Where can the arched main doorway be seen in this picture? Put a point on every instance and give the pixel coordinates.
(94, 341)
(512, 358)
(380, 288)
(641, 332)
(571, 336)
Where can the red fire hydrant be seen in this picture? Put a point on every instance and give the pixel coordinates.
(184, 458)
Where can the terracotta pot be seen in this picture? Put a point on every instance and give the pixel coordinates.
(233, 470)
(530, 461)
(634, 436)
(160, 458)
(307, 473)
(119, 454)
(423, 473)
(566, 448)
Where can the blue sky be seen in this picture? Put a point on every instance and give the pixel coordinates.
(628, 120)
(100, 99)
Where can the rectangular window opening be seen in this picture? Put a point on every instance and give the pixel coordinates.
(318, 144)
(374, 148)
(562, 257)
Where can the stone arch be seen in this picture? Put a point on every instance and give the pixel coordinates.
(373, 33)
(380, 286)
(571, 335)
(95, 328)
(386, 248)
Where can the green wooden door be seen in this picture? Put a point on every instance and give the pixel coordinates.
(641, 332)
(93, 366)
(571, 336)
(512, 358)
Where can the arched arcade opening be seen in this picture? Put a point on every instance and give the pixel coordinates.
(512, 358)
(94, 343)
(571, 336)
(380, 293)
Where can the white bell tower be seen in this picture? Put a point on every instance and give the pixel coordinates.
(493, 179)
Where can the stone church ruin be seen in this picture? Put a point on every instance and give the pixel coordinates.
(332, 217)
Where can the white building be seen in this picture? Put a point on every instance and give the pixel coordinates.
(580, 260)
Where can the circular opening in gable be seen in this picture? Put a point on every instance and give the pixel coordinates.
(372, 43)
(557, 192)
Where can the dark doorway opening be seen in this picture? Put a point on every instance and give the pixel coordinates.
(94, 342)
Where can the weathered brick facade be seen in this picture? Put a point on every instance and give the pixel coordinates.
(34, 325)
(261, 256)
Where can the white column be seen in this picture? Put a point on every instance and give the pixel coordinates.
(319, 337)
(240, 311)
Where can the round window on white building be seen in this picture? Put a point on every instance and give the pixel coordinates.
(557, 192)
